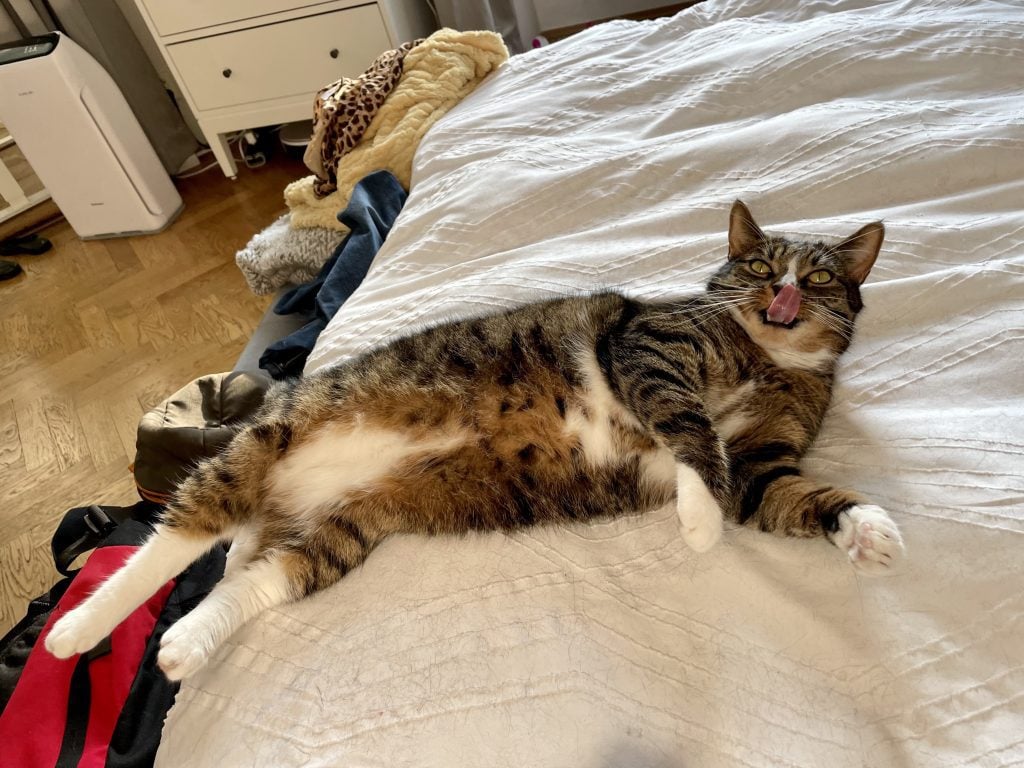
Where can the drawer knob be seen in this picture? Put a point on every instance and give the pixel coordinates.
(226, 73)
(334, 53)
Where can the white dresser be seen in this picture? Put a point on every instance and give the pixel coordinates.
(247, 63)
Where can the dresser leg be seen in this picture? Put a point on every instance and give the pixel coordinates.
(222, 151)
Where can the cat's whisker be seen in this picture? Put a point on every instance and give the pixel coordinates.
(723, 305)
(833, 322)
(709, 308)
(826, 312)
(719, 305)
(703, 319)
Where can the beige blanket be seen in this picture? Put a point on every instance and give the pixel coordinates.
(439, 73)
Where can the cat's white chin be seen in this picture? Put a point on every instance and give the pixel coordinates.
(783, 343)
(699, 513)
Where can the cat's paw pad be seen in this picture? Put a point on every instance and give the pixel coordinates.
(181, 655)
(699, 513)
(174, 632)
(870, 538)
(75, 632)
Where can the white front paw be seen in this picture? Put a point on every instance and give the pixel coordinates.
(699, 513)
(181, 653)
(75, 632)
(870, 538)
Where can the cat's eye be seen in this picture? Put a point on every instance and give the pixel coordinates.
(759, 267)
(820, 277)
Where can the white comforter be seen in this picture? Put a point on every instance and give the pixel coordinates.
(611, 160)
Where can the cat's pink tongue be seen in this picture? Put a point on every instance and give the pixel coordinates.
(786, 304)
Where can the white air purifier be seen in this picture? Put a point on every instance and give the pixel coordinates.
(82, 139)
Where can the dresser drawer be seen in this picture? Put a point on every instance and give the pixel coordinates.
(171, 16)
(285, 59)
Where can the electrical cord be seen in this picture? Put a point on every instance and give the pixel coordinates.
(235, 139)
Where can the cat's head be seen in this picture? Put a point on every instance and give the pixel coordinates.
(798, 299)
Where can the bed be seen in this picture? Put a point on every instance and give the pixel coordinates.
(611, 160)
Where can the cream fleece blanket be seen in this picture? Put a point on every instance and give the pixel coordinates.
(438, 74)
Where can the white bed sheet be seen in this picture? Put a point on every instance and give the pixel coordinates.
(611, 160)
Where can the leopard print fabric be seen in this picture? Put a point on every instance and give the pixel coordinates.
(343, 111)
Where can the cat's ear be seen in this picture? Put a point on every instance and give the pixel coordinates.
(860, 250)
(744, 234)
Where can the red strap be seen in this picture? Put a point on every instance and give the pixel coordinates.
(32, 725)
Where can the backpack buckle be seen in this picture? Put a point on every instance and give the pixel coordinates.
(97, 521)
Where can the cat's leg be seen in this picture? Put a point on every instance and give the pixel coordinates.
(667, 403)
(272, 577)
(780, 500)
(243, 547)
(246, 578)
(702, 473)
(700, 514)
(244, 592)
(207, 508)
(164, 555)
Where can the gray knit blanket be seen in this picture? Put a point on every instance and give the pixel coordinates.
(285, 255)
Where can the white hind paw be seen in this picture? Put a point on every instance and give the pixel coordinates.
(76, 632)
(870, 538)
(699, 513)
(181, 655)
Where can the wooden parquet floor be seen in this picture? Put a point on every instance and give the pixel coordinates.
(95, 333)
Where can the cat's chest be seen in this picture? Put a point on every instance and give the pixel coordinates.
(734, 409)
(766, 405)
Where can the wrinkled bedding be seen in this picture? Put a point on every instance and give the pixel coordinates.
(611, 160)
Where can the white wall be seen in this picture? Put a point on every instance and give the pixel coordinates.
(553, 14)
(520, 20)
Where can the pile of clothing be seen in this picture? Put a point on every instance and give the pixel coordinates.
(362, 125)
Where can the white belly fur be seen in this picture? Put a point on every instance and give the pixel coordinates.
(595, 433)
(322, 471)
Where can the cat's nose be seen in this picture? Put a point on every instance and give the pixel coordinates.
(787, 279)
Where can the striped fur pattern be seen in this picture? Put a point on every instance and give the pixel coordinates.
(567, 410)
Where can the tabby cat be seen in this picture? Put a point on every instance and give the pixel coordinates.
(567, 410)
